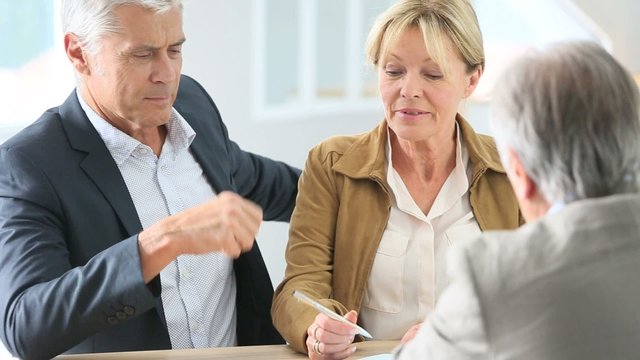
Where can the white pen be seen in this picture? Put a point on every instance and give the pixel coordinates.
(316, 305)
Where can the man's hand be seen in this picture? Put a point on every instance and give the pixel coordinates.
(331, 339)
(227, 223)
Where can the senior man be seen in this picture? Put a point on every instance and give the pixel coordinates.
(123, 209)
(565, 285)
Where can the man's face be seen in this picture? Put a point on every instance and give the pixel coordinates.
(133, 79)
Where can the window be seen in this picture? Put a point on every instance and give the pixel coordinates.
(309, 57)
(34, 72)
(309, 54)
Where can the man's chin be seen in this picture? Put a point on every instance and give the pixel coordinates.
(160, 113)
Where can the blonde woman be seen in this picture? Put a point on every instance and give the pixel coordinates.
(377, 212)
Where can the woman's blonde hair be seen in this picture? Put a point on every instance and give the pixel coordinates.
(442, 22)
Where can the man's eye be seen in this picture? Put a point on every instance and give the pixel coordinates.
(142, 55)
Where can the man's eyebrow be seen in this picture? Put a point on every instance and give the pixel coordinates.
(179, 42)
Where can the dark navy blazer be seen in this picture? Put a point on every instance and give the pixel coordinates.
(70, 277)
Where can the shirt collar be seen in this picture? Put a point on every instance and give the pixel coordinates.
(179, 133)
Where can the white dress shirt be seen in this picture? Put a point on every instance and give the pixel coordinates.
(409, 269)
(198, 291)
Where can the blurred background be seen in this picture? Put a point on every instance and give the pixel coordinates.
(287, 74)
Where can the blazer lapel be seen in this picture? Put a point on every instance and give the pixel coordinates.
(98, 163)
(211, 155)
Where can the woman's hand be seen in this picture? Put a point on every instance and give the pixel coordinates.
(331, 339)
(411, 333)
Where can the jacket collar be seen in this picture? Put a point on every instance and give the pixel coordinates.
(365, 158)
(208, 149)
(102, 169)
(483, 153)
(98, 163)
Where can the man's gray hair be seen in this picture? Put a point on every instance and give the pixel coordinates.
(571, 113)
(91, 19)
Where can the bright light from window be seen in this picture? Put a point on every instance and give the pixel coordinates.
(36, 75)
(34, 71)
(511, 27)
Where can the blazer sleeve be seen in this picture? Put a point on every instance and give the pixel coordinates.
(455, 329)
(48, 305)
(309, 252)
(269, 183)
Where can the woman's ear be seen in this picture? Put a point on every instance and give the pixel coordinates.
(472, 81)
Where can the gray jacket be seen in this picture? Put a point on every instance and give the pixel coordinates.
(564, 287)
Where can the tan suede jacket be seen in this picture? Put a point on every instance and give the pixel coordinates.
(342, 210)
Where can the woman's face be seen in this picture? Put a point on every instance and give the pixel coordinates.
(419, 102)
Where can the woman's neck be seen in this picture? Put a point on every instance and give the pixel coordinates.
(430, 158)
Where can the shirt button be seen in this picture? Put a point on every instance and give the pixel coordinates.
(111, 320)
(185, 275)
(121, 315)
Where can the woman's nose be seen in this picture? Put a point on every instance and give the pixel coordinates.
(411, 87)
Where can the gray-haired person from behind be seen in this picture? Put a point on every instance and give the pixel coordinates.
(565, 285)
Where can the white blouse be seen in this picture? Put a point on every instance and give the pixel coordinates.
(409, 270)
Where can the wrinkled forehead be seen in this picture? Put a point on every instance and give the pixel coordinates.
(144, 24)
(127, 15)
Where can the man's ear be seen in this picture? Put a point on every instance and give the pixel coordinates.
(75, 53)
(523, 186)
(532, 203)
(473, 80)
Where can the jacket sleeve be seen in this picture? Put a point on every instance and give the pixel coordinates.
(271, 184)
(309, 253)
(48, 305)
(455, 329)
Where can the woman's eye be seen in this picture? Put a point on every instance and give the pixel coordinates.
(433, 76)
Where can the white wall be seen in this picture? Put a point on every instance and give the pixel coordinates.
(619, 19)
